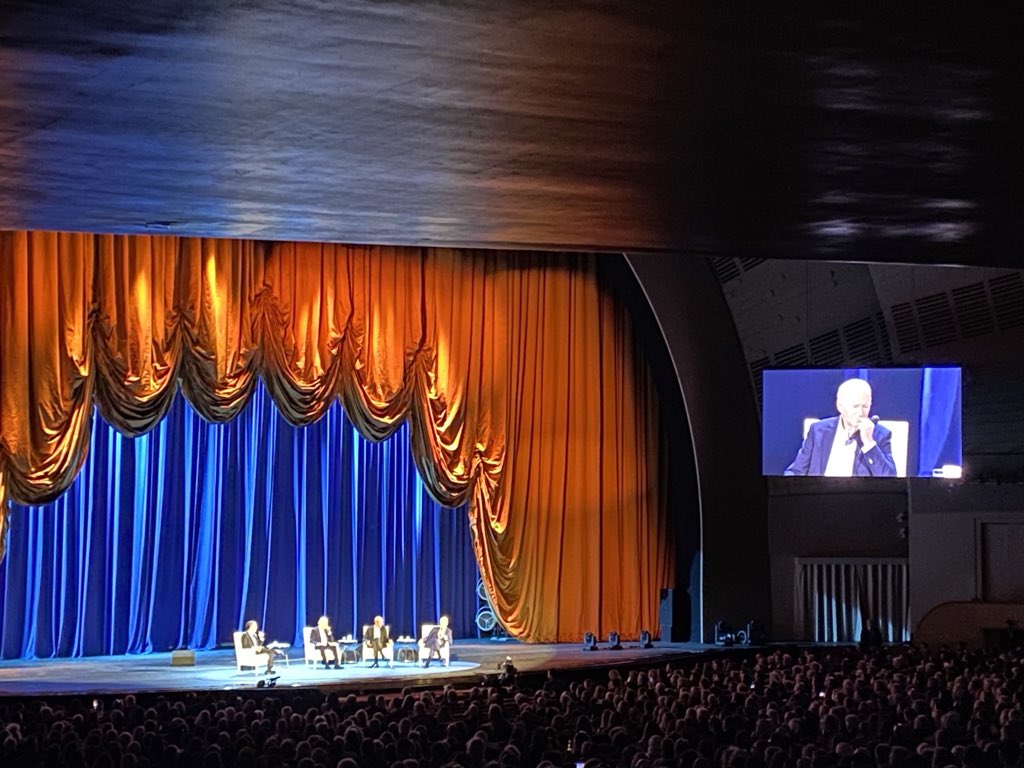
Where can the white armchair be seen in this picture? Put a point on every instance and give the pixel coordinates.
(445, 651)
(387, 652)
(247, 657)
(309, 652)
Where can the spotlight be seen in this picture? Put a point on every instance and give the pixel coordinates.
(614, 644)
(645, 639)
(589, 642)
(270, 682)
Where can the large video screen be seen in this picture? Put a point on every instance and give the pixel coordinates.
(862, 422)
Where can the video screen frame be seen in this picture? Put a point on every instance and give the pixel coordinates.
(916, 415)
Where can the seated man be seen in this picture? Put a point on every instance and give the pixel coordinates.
(438, 637)
(253, 638)
(852, 444)
(377, 638)
(323, 640)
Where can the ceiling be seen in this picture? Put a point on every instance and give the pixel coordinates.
(807, 133)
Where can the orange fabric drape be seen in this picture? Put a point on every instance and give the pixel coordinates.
(517, 373)
(46, 382)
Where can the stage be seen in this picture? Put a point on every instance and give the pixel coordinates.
(216, 670)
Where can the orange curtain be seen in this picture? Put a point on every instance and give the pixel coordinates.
(517, 372)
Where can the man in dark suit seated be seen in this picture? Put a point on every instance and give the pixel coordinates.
(438, 637)
(852, 444)
(323, 640)
(253, 638)
(377, 638)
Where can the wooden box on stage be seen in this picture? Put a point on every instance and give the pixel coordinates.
(183, 658)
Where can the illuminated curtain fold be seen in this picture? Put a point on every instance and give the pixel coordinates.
(518, 375)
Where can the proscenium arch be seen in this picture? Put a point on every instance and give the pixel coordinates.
(691, 314)
(216, 305)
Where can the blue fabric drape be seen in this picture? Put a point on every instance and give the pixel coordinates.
(940, 419)
(173, 539)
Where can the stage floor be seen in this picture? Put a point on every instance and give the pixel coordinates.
(215, 670)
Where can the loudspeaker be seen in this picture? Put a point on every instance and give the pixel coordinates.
(671, 629)
(184, 658)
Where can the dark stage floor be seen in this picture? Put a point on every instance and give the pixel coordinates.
(215, 670)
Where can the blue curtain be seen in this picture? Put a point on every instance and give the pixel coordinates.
(940, 419)
(175, 538)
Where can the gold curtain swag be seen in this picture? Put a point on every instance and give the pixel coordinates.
(524, 392)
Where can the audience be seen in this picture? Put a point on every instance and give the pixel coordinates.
(896, 707)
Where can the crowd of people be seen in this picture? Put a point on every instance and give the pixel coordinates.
(897, 707)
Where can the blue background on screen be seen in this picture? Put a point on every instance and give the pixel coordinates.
(927, 398)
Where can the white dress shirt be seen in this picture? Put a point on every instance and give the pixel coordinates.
(844, 451)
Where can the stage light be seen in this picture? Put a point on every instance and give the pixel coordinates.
(614, 644)
(723, 633)
(270, 682)
(645, 639)
(589, 642)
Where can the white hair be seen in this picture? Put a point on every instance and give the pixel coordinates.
(851, 388)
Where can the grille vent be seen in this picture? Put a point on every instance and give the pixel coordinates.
(1008, 300)
(936, 318)
(827, 349)
(729, 269)
(862, 343)
(973, 311)
(725, 268)
(795, 355)
(906, 328)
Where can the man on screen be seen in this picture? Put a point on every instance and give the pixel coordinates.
(851, 444)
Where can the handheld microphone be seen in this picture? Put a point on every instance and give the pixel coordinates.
(874, 419)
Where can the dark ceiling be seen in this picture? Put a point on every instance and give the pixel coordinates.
(810, 133)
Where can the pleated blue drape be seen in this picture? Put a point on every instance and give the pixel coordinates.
(174, 539)
(940, 419)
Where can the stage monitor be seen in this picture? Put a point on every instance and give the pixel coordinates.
(862, 422)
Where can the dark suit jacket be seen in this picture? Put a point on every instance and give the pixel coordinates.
(318, 637)
(249, 642)
(813, 456)
(436, 639)
(384, 639)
